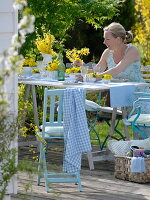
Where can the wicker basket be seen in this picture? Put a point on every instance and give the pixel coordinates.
(122, 170)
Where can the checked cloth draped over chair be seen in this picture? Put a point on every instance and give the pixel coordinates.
(76, 133)
(68, 121)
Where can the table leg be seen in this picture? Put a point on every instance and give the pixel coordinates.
(113, 120)
(124, 116)
(35, 110)
(27, 92)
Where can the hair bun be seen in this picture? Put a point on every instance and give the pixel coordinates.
(129, 36)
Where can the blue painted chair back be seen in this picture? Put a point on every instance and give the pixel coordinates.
(140, 121)
(52, 108)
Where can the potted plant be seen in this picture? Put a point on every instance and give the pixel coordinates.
(52, 70)
(45, 46)
(106, 78)
(91, 77)
(28, 65)
(36, 73)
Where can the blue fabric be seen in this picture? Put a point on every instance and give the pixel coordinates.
(121, 95)
(76, 133)
(137, 164)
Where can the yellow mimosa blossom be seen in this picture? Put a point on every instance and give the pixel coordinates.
(73, 70)
(29, 62)
(107, 76)
(142, 29)
(53, 66)
(45, 44)
(35, 71)
(75, 54)
(94, 75)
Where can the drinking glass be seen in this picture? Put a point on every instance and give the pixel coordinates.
(84, 71)
(42, 70)
(94, 67)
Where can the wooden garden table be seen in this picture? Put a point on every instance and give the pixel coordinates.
(90, 87)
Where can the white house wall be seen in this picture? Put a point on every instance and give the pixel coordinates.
(8, 27)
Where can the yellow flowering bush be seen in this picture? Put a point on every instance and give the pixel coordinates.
(29, 62)
(53, 66)
(142, 29)
(75, 54)
(45, 44)
(107, 76)
(73, 70)
(35, 71)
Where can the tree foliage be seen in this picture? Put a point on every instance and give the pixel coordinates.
(62, 15)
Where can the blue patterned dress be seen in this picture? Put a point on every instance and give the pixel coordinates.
(133, 74)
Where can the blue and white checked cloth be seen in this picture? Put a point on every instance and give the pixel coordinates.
(76, 133)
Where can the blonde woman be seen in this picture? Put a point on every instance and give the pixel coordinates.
(120, 59)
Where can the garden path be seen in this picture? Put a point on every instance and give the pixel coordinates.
(99, 184)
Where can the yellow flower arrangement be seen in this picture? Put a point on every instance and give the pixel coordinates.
(34, 71)
(75, 54)
(53, 66)
(94, 75)
(29, 62)
(73, 70)
(107, 76)
(45, 44)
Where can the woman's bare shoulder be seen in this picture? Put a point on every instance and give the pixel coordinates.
(106, 52)
(133, 50)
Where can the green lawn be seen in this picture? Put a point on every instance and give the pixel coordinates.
(103, 130)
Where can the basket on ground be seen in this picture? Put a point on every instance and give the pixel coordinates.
(123, 170)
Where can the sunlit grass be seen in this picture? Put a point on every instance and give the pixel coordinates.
(103, 130)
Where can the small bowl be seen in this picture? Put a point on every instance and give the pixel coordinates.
(92, 79)
(36, 75)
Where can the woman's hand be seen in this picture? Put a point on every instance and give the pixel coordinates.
(79, 78)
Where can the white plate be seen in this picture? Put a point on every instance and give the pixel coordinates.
(70, 83)
(118, 80)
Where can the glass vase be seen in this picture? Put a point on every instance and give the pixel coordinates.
(46, 58)
(52, 75)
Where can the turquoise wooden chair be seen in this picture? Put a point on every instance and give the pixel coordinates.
(139, 121)
(52, 128)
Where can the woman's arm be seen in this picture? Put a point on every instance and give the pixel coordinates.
(131, 56)
(102, 65)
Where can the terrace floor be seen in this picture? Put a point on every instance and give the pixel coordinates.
(98, 184)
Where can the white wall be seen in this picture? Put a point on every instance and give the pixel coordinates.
(8, 26)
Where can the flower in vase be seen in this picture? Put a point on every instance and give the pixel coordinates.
(73, 70)
(29, 62)
(45, 43)
(76, 55)
(35, 71)
(94, 75)
(52, 66)
(107, 76)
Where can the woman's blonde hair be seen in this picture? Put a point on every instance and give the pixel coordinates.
(117, 30)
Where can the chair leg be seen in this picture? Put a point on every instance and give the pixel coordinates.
(136, 128)
(54, 177)
(79, 182)
(42, 169)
